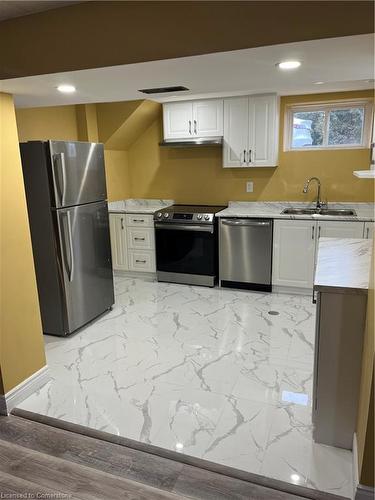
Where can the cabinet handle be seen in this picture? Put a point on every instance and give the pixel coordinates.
(195, 127)
(244, 155)
(367, 232)
(313, 232)
(122, 223)
(139, 239)
(249, 159)
(319, 229)
(138, 220)
(141, 261)
(190, 127)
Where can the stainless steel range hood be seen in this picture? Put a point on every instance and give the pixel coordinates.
(192, 143)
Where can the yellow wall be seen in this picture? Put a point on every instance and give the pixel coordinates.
(57, 123)
(117, 174)
(72, 123)
(196, 175)
(21, 340)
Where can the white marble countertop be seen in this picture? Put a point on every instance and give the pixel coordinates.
(343, 265)
(138, 206)
(273, 209)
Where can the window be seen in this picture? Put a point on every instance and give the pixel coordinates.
(333, 125)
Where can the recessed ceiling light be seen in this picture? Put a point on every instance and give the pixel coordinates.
(295, 478)
(66, 89)
(288, 64)
(318, 83)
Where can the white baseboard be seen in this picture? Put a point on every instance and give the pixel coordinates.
(292, 290)
(135, 274)
(364, 493)
(23, 390)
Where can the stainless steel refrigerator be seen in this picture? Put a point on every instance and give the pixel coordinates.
(69, 223)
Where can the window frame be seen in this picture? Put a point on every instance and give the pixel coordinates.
(328, 106)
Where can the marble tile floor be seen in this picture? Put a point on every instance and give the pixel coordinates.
(212, 373)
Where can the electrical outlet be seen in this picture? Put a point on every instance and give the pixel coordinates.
(249, 187)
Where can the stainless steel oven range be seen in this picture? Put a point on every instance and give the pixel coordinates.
(186, 241)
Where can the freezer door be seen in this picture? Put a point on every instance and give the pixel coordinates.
(83, 237)
(77, 173)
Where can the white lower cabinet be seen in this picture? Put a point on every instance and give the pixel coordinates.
(340, 229)
(141, 238)
(118, 241)
(293, 253)
(132, 242)
(142, 261)
(368, 232)
(295, 247)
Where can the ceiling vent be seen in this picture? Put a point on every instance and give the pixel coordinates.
(163, 90)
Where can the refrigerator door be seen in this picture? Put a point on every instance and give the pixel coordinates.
(77, 173)
(83, 238)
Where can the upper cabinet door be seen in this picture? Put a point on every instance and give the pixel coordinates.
(178, 120)
(263, 131)
(236, 130)
(208, 118)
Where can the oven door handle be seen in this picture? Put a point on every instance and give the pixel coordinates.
(182, 227)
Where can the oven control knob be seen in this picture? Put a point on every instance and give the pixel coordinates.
(160, 215)
(199, 216)
(206, 217)
(166, 216)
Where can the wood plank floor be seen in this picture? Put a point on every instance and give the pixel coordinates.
(40, 459)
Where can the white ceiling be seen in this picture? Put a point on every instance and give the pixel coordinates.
(345, 63)
(13, 8)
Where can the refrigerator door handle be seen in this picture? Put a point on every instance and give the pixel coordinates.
(68, 262)
(71, 250)
(59, 168)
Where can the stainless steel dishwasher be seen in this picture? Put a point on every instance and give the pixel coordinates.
(245, 253)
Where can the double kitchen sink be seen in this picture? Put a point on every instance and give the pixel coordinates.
(320, 211)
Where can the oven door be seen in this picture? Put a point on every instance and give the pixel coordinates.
(185, 248)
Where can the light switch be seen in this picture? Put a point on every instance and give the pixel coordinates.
(249, 187)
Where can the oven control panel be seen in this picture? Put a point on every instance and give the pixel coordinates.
(184, 217)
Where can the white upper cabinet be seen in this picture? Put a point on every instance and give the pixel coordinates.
(193, 119)
(236, 119)
(178, 120)
(263, 130)
(208, 118)
(251, 131)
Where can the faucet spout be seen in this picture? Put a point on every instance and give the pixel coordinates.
(319, 202)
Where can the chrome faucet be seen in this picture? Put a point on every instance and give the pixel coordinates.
(319, 202)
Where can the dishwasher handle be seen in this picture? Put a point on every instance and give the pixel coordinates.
(242, 222)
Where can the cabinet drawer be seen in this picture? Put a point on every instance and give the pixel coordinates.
(141, 238)
(142, 261)
(140, 220)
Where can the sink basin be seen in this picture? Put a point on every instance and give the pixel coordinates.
(320, 211)
(300, 211)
